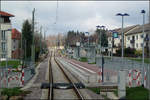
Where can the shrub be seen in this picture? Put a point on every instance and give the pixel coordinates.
(13, 92)
(138, 52)
(128, 52)
(83, 59)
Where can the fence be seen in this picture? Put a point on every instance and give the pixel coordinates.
(10, 77)
(134, 70)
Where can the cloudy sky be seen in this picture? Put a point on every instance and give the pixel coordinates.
(61, 16)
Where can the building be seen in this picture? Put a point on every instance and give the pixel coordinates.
(134, 38)
(16, 40)
(117, 41)
(5, 35)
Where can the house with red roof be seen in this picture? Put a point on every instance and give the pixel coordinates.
(16, 38)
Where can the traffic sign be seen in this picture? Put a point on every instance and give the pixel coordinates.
(115, 34)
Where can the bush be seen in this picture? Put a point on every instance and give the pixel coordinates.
(13, 92)
(128, 52)
(138, 52)
(83, 59)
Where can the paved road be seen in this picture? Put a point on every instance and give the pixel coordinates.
(89, 72)
(35, 84)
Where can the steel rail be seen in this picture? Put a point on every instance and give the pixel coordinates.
(74, 86)
(50, 90)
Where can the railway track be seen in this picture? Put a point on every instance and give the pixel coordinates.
(51, 90)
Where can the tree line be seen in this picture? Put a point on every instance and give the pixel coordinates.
(27, 37)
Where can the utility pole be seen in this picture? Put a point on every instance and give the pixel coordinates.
(44, 41)
(40, 39)
(25, 51)
(122, 35)
(143, 13)
(112, 45)
(100, 37)
(33, 43)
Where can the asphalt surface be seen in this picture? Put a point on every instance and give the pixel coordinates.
(36, 91)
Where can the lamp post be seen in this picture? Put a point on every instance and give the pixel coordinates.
(100, 36)
(143, 13)
(88, 45)
(122, 15)
(88, 39)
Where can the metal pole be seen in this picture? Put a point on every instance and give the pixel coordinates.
(0, 43)
(143, 51)
(33, 46)
(100, 41)
(44, 42)
(40, 39)
(25, 50)
(88, 40)
(122, 55)
(112, 47)
(102, 69)
(6, 64)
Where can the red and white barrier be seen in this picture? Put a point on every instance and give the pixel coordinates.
(22, 77)
(130, 78)
(100, 75)
(135, 75)
(145, 79)
(19, 77)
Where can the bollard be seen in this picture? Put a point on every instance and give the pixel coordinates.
(122, 84)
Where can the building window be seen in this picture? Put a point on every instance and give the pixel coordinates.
(137, 45)
(14, 47)
(1, 20)
(141, 35)
(3, 35)
(128, 38)
(3, 46)
(141, 44)
(136, 37)
(3, 56)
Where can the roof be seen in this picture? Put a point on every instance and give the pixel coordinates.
(16, 34)
(125, 30)
(139, 29)
(2, 13)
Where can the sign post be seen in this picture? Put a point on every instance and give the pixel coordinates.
(122, 84)
(114, 35)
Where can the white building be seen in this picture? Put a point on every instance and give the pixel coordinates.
(5, 35)
(117, 41)
(134, 38)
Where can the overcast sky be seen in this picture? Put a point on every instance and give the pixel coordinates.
(75, 15)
